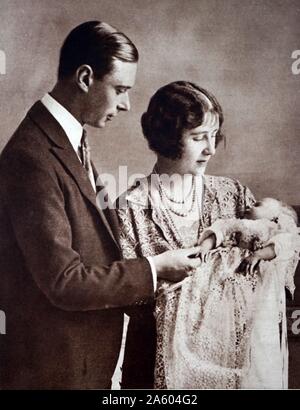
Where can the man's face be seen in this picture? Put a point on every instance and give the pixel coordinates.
(108, 96)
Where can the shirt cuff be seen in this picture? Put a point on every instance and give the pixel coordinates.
(153, 271)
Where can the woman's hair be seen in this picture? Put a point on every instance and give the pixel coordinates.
(96, 44)
(173, 109)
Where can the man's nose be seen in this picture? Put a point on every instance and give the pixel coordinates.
(124, 104)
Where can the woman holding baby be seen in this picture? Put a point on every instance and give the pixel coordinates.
(204, 326)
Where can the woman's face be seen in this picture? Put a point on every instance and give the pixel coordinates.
(199, 145)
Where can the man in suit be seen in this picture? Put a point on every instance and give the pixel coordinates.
(63, 288)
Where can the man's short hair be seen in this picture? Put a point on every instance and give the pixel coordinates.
(96, 44)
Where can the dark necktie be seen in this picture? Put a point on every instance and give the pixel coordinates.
(85, 156)
(108, 211)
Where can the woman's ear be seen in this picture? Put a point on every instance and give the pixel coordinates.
(84, 77)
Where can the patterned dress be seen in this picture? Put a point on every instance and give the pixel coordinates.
(223, 331)
(145, 231)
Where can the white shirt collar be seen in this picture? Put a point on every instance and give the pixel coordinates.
(68, 122)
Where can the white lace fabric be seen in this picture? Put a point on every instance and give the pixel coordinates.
(205, 328)
(206, 339)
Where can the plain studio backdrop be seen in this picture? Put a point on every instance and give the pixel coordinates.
(241, 50)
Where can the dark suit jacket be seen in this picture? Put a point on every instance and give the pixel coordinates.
(62, 287)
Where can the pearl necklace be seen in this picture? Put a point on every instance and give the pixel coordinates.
(172, 199)
(170, 202)
(169, 221)
(169, 207)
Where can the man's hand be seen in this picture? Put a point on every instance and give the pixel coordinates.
(177, 264)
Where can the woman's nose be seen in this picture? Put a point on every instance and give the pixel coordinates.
(210, 148)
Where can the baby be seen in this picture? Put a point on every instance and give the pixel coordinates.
(269, 230)
(225, 330)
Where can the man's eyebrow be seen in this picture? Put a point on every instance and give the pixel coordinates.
(127, 87)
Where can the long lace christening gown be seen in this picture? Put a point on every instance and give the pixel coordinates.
(211, 331)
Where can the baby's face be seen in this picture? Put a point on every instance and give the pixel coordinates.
(267, 208)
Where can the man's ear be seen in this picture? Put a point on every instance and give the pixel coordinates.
(84, 77)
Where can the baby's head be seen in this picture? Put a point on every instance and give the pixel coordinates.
(272, 209)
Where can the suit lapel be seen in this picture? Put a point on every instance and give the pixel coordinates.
(64, 152)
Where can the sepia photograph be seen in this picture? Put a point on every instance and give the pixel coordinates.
(149, 196)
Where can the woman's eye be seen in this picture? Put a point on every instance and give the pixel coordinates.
(201, 137)
(198, 138)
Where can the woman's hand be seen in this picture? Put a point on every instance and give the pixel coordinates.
(249, 265)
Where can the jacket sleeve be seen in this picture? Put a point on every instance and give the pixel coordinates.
(36, 207)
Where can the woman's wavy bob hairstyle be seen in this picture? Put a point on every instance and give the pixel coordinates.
(173, 109)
